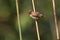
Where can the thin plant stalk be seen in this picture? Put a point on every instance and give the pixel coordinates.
(36, 23)
(18, 20)
(55, 20)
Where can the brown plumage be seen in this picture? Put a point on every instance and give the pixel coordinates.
(35, 15)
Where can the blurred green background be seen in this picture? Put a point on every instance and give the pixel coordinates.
(8, 20)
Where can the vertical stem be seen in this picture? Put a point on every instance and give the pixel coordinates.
(20, 34)
(37, 30)
(55, 19)
(33, 5)
(36, 21)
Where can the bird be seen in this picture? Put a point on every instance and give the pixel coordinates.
(35, 15)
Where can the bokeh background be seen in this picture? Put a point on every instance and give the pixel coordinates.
(8, 20)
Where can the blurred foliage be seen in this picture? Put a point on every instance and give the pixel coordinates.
(8, 20)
